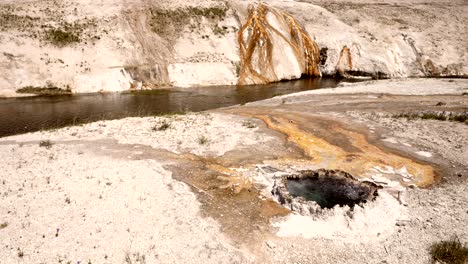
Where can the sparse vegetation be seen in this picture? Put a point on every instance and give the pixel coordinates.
(461, 117)
(20, 253)
(3, 225)
(237, 67)
(45, 144)
(248, 124)
(163, 126)
(208, 12)
(22, 23)
(62, 36)
(170, 23)
(47, 90)
(433, 116)
(51, 27)
(69, 33)
(135, 258)
(450, 252)
(217, 30)
(202, 140)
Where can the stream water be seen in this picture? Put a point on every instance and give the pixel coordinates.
(28, 114)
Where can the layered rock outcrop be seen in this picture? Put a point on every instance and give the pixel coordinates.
(93, 46)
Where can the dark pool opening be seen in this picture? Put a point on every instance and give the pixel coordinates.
(22, 115)
(328, 192)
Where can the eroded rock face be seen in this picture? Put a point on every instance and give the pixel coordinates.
(308, 192)
(80, 44)
(274, 46)
(117, 45)
(392, 39)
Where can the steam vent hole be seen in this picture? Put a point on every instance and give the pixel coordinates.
(325, 187)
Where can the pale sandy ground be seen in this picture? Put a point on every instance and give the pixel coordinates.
(69, 204)
(79, 202)
(93, 196)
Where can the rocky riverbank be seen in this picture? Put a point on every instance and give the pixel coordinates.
(196, 188)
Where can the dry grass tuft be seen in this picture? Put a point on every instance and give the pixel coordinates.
(451, 252)
(46, 144)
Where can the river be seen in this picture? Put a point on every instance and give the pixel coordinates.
(29, 114)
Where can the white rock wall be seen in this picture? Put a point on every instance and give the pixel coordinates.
(108, 80)
(390, 39)
(396, 38)
(207, 55)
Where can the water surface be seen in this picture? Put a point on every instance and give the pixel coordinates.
(28, 114)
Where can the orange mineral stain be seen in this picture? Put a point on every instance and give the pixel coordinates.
(365, 161)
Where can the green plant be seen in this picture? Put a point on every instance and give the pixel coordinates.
(217, 30)
(248, 124)
(46, 144)
(47, 90)
(170, 23)
(450, 251)
(22, 23)
(202, 140)
(135, 258)
(237, 67)
(162, 126)
(62, 37)
(20, 253)
(434, 116)
(208, 12)
(461, 117)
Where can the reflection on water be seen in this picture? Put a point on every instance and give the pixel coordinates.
(21, 115)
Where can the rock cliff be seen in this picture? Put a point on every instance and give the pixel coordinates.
(113, 45)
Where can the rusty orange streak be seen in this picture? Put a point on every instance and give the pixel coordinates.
(359, 163)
